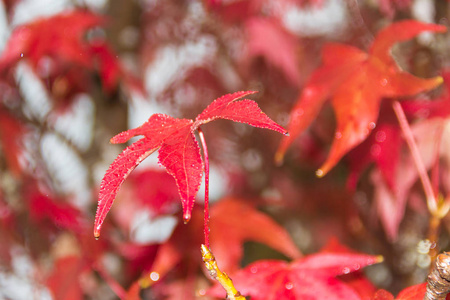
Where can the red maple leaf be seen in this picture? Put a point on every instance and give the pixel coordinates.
(179, 151)
(356, 81)
(64, 280)
(310, 277)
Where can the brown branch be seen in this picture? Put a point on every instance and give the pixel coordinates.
(438, 283)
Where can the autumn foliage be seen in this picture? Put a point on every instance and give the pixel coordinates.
(106, 127)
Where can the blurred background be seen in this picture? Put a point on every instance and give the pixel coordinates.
(75, 73)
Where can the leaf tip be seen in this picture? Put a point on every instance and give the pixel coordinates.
(186, 217)
(379, 259)
(286, 133)
(97, 233)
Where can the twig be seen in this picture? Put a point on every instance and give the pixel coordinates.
(428, 189)
(211, 264)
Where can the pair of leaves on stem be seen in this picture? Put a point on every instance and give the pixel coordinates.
(356, 81)
(179, 151)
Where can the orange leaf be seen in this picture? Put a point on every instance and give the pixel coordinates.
(356, 81)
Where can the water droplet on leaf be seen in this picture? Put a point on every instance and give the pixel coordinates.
(346, 270)
(289, 286)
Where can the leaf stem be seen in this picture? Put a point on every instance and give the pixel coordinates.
(206, 210)
(426, 183)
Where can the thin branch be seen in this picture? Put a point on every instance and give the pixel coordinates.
(211, 264)
(426, 183)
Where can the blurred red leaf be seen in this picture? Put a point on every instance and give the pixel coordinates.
(155, 189)
(414, 292)
(59, 52)
(311, 277)
(59, 37)
(179, 151)
(263, 34)
(232, 223)
(133, 292)
(11, 133)
(357, 280)
(59, 213)
(382, 147)
(390, 203)
(64, 281)
(356, 81)
(383, 295)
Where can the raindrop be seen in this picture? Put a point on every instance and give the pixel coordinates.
(154, 276)
(338, 135)
(383, 82)
(21, 54)
(372, 125)
(289, 286)
(346, 270)
(254, 269)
